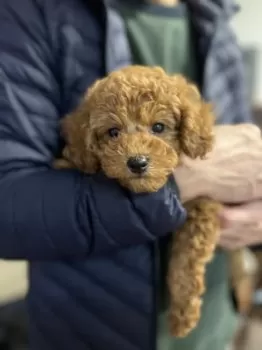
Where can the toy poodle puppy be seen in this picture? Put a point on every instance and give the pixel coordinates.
(134, 125)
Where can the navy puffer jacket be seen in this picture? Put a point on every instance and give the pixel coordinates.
(91, 245)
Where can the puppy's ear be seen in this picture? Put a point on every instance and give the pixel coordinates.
(197, 120)
(80, 141)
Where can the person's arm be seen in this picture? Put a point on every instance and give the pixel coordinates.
(46, 213)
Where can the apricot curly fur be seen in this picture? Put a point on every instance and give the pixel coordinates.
(131, 101)
(193, 247)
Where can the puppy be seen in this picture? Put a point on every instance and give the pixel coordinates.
(134, 125)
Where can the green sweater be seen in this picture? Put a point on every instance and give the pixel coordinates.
(162, 36)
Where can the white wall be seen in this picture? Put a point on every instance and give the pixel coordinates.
(248, 26)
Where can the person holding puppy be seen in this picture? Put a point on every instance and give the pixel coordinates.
(92, 247)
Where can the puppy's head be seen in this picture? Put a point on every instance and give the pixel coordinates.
(134, 125)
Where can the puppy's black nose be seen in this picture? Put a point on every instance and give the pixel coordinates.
(138, 164)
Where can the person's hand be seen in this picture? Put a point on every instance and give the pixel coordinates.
(241, 225)
(231, 173)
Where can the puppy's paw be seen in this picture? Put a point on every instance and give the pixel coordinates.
(62, 164)
(184, 318)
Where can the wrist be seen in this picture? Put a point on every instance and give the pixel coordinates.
(189, 183)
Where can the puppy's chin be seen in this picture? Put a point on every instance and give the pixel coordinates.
(143, 184)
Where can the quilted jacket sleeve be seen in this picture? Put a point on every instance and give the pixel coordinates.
(44, 213)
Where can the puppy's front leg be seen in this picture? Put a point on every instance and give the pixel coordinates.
(192, 248)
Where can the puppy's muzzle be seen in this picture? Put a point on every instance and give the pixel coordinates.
(138, 164)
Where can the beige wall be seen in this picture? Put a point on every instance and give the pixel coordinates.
(13, 280)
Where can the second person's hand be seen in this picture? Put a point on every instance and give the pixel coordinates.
(241, 225)
(231, 173)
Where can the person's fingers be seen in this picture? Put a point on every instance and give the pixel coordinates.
(230, 244)
(234, 241)
(246, 218)
(241, 235)
(230, 218)
(233, 244)
(228, 239)
(246, 213)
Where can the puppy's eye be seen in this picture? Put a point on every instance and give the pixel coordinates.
(158, 128)
(113, 132)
